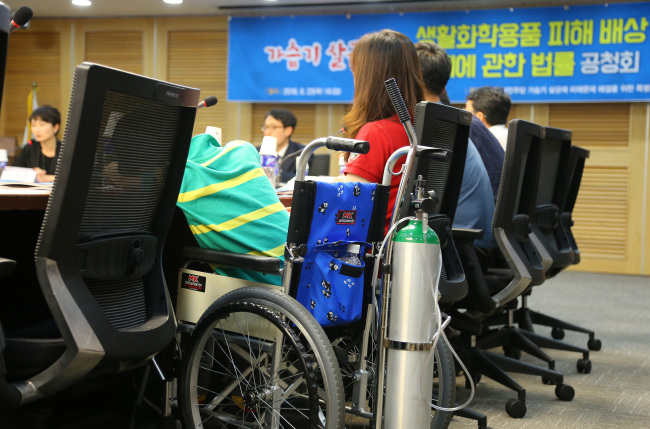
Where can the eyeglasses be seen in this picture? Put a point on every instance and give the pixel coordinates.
(270, 127)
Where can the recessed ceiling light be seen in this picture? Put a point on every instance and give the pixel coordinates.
(81, 2)
(173, 1)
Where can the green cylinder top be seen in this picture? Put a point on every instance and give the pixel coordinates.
(412, 233)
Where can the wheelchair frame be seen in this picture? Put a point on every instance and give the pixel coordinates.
(263, 405)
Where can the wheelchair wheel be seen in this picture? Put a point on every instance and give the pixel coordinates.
(444, 385)
(258, 359)
(349, 352)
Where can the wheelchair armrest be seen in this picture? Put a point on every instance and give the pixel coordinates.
(7, 267)
(467, 234)
(263, 264)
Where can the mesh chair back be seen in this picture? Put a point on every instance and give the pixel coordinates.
(443, 127)
(551, 191)
(576, 168)
(515, 204)
(98, 259)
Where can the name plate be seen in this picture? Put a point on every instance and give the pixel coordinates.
(19, 174)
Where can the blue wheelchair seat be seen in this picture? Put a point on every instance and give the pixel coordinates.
(341, 214)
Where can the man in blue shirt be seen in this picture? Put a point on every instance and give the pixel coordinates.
(491, 152)
(475, 203)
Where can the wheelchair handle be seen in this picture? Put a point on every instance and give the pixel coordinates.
(333, 143)
(347, 145)
(397, 100)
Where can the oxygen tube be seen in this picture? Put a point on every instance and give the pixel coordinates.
(433, 287)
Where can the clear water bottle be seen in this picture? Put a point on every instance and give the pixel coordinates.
(351, 256)
(3, 160)
(269, 158)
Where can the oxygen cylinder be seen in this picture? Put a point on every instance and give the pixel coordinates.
(411, 326)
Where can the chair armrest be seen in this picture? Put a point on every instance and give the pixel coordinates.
(263, 264)
(547, 216)
(9, 395)
(7, 267)
(467, 234)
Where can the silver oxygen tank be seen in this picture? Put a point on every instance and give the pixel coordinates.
(411, 326)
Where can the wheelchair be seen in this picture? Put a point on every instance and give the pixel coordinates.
(257, 355)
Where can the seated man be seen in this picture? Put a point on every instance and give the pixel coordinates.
(475, 203)
(230, 204)
(281, 123)
(491, 105)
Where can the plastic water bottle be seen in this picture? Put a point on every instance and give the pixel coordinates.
(269, 158)
(341, 164)
(3, 159)
(351, 256)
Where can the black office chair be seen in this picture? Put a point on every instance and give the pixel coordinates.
(446, 128)
(549, 240)
(576, 168)
(98, 258)
(320, 165)
(494, 291)
(558, 235)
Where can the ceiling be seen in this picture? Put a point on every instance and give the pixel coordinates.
(113, 8)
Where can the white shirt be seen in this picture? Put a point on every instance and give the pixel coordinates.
(281, 152)
(501, 133)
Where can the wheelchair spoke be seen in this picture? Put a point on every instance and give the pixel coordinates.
(249, 369)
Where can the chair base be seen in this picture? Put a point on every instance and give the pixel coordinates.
(496, 367)
(468, 413)
(527, 318)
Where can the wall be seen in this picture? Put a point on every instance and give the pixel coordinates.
(611, 225)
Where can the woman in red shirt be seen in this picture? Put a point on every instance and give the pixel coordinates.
(377, 57)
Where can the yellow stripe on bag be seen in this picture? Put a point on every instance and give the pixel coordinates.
(231, 146)
(239, 220)
(216, 187)
(278, 251)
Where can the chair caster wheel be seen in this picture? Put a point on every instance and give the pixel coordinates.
(475, 378)
(557, 333)
(516, 408)
(564, 392)
(547, 380)
(512, 352)
(594, 344)
(584, 366)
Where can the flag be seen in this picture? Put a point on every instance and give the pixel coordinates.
(32, 103)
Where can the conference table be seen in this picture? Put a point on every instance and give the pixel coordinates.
(17, 196)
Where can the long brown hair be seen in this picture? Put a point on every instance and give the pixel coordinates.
(376, 57)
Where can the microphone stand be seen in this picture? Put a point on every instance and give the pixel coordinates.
(288, 157)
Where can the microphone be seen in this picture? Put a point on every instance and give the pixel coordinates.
(209, 101)
(291, 156)
(21, 17)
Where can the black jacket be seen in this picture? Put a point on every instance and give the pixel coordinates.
(287, 164)
(31, 156)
